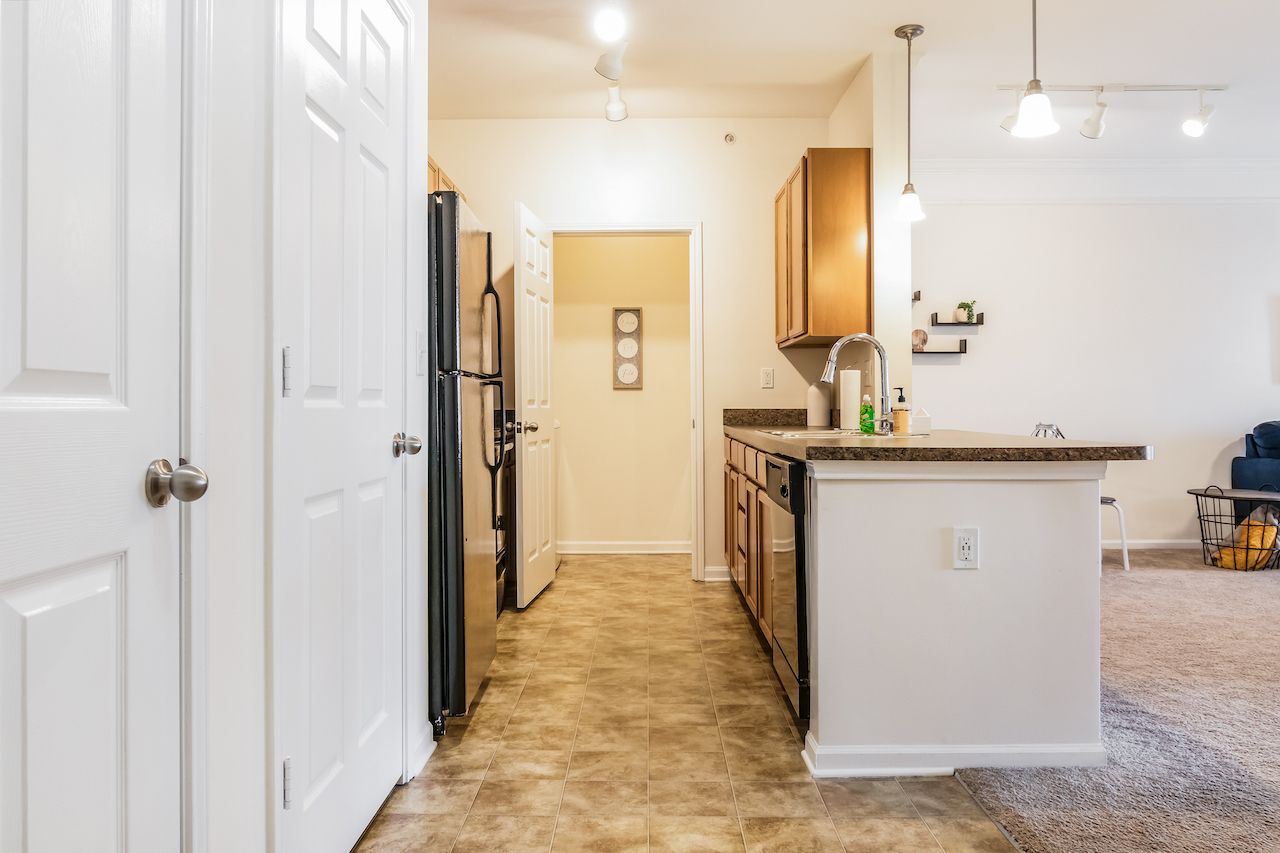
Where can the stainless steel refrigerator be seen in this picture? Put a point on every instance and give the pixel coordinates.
(466, 442)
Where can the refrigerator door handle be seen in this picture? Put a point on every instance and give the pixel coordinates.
(501, 456)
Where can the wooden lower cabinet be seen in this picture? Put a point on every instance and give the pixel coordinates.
(748, 534)
(763, 537)
(751, 579)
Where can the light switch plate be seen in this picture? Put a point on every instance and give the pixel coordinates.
(965, 547)
(766, 377)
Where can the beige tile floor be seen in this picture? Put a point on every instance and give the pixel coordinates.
(631, 709)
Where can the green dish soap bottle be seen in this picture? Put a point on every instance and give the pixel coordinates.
(867, 416)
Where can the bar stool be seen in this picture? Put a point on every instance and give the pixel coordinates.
(1044, 430)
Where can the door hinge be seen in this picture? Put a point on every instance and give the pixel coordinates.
(286, 783)
(286, 372)
(420, 345)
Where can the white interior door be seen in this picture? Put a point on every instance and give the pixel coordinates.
(90, 136)
(536, 441)
(338, 525)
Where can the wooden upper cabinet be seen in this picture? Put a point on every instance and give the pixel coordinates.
(437, 180)
(822, 267)
(797, 266)
(781, 256)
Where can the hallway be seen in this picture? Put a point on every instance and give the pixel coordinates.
(632, 709)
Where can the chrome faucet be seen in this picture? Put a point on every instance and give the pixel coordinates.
(885, 421)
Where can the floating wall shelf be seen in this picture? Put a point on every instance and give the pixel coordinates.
(964, 348)
(978, 320)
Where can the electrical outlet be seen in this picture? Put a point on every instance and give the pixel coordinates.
(766, 377)
(965, 547)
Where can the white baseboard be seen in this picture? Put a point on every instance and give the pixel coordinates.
(943, 759)
(715, 574)
(625, 547)
(1146, 544)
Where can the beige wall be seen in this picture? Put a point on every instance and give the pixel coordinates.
(625, 463)
(659, 170)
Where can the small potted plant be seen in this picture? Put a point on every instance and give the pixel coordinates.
(964, 311)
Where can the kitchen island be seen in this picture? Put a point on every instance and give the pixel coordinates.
(918, 667)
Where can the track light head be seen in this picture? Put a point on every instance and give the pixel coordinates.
(1195, 126)
(1095, 125)
(615, 109)
(609, 65)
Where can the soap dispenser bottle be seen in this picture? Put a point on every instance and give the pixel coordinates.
(901, 414)
(867, 416)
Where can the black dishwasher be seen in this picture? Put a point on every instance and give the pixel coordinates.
(785, 484)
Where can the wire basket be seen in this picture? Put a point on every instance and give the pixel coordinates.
(1239, 529)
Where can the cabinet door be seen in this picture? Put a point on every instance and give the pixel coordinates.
(781, 266)
(751, 580)
(797, 251)
(763, 538)
(740, 552)
(730, 516)
(433, 176)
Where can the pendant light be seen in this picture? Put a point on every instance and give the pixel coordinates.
(909, 209)
(1035, 113)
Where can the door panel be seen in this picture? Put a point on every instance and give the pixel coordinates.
(798, 251)
(90, 155)
(535, 451)
(781, 266)
(338, 566)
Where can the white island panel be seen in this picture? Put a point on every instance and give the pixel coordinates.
(917, 667)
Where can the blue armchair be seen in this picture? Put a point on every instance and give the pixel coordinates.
(1260, 465)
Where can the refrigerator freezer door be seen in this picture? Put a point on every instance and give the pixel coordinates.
(466, 314)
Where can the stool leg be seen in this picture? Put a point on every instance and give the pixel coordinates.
(1124, 538)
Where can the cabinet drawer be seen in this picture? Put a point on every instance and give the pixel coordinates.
(762, 469)
(728, 450)
(750, 455)
(739, 456)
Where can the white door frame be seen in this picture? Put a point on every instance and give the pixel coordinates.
(697, 448)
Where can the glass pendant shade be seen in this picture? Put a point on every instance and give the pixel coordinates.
(909, 209)
(1035, 114)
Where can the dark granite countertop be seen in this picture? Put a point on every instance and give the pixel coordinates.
(939, 446)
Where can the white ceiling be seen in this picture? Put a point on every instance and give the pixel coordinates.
(752, 58)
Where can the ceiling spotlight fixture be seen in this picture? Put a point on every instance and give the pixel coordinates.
(1012, 118)
(610, 25)
(909, 209)
(1196, 125)
(1095, 125)
(615, 109)
(609, 65)
(1035, 113)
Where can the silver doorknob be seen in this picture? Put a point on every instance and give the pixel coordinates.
(405, 445)
(186, 483)
(531, 426)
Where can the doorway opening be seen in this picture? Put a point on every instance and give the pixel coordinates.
(626, 365)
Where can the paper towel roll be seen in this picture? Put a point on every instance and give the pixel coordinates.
(819, 405)
(850, 398)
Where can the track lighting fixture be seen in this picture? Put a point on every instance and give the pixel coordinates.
(609, 65)
(909, 209)
(1095, 125)
(1035, 113)
(1195, 126)
(615, 109)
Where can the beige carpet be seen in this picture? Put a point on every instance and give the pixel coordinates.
(1190, 716)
